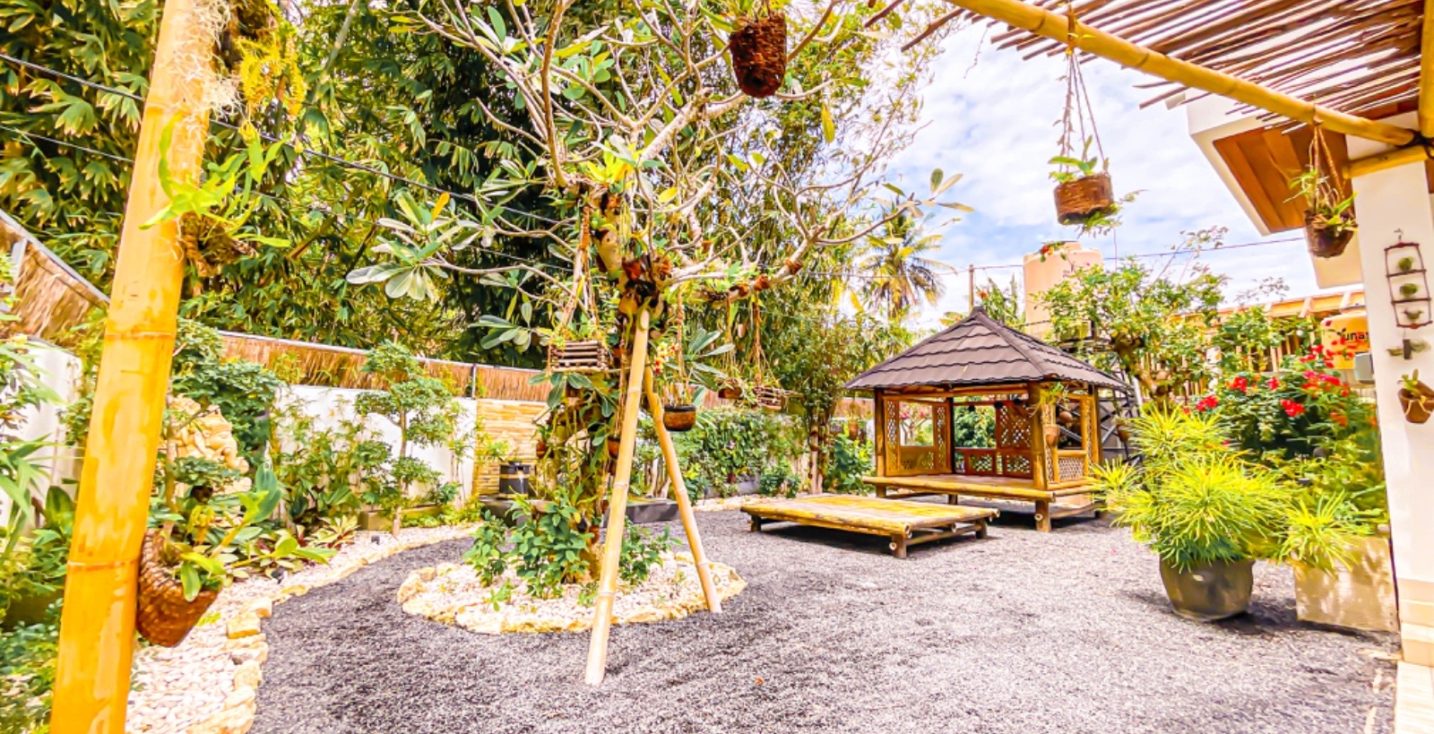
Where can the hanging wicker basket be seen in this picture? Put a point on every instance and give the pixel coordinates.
(679, 418)
(1079, 200)
(771, 398)
(579, 356)
(759, 54)
(1325, 241)
(163, 616)
(730, 391)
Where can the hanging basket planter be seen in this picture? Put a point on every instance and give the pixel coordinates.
(770, 398)
(1080, 200)
(679, 418)
(163, 615)
(1326, 240)
(730, 391)
(1417, 401)
(614, 445)
(759, 54)
(1053, 434)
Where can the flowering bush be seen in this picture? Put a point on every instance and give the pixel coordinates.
(1303, 406)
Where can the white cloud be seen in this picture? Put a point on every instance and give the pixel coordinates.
(995, 122)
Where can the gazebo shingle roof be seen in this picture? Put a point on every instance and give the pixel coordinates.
(980, 351)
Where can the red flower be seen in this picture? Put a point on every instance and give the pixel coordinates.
(1339, 419)
(1292, 409)
(1240, 384)
(1209, 402)
(1274, 383)
(1316, 349)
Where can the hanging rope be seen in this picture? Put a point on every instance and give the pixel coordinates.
(1079, 114)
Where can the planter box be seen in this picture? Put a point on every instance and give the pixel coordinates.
(645, 510)
(376, 519)
(1360, 597)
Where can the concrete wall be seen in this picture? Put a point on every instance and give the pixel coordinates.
(59, 370)
(1041, 274)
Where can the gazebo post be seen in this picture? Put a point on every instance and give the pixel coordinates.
(879, 437)
(96, 647)
(1038, 454)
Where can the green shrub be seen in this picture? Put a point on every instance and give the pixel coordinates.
(850, 461)
(487, 555)
(27, 674)
(641, 552)
(732, 445)
(548, 549)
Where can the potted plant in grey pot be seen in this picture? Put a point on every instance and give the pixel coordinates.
(1208, 512)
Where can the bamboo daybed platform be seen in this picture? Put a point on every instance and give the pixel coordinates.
(1038, 405)
(907, 523)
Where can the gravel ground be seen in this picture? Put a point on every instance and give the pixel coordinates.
(1022, 632)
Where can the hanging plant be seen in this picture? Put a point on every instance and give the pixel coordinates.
(758, 46)
(1084, 195)
(1329, 218)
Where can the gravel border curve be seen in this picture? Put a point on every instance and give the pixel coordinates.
(1022, 632)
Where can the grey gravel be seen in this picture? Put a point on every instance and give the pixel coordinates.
(1021, 632)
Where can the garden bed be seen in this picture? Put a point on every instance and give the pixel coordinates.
(453, 594)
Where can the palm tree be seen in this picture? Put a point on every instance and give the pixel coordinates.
(900, 275)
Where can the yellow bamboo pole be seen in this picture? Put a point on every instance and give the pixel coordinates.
(1426, 72)
(92, 677)
(617, 504)
(684, 503)
(1045, 23)
(1388, 159)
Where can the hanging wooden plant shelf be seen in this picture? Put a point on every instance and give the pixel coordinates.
(1080, 200)
(579, 356)
(771, 398)
(1408, 285)
(163, 615)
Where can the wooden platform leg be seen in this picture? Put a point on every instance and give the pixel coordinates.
(898, 545)
(981, 529)
(880, 492)
(953, 499)
(756, 524)
(1043, 516)
(679, 495)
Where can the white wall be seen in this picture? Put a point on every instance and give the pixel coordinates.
(330, 406)
(1389, 201)
(60, 371)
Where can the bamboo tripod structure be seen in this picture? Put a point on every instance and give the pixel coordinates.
(92, 678)
(639, 380)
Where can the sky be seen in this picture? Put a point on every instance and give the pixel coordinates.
(992, 117)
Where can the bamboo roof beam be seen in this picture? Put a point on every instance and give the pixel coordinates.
(1057, 27)
(1426, 72)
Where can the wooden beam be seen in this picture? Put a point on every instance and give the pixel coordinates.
(96, 647)
(1426, 72)
(1099, 43)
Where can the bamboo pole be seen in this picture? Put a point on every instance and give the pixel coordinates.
(1389, 159)
(617, 504)
(679, 495)
(92, 678)
(1058, 27)
(1426, 72)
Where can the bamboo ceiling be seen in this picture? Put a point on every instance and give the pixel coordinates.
(1356, 56)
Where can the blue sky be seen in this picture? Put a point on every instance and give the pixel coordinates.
(992, 116)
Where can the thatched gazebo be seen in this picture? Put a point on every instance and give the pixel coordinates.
(1041, 402)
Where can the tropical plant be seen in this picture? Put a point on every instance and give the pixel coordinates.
(1328, 209)
(1192, 500)
(1148, 326)
(423, 410)
(731, 446)
(850, 461)
(901, 274)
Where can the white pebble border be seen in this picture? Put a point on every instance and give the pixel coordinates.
(452, 594)
(719, 504)
(208, 684)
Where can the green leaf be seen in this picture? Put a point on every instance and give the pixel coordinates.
(828, 124)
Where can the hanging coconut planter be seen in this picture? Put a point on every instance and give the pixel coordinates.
(758, 48)
(1416, 399)
(679, 418)
(163, 615)
(614, 445)
(730, 390)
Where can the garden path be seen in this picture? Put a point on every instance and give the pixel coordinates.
(1023, 632)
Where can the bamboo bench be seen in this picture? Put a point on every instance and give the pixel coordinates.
(1001, 488)
(906, 523)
